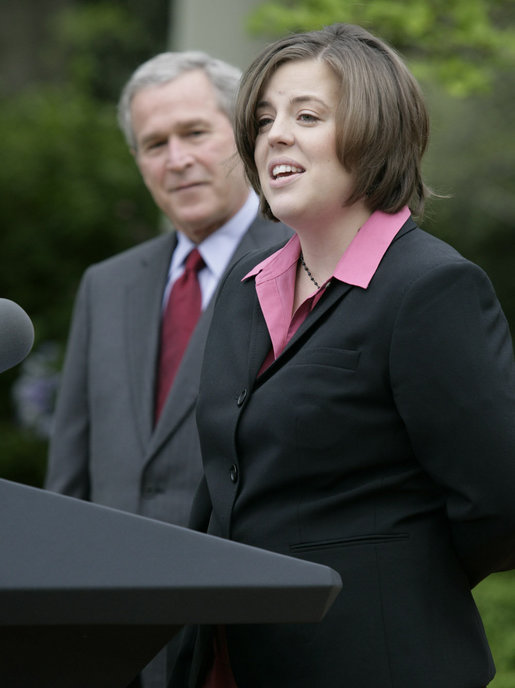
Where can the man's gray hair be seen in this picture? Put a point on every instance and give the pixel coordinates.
(167, 66)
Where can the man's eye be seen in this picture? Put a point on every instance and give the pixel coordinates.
(153, 145)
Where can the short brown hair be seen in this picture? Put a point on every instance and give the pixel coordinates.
(382, 121)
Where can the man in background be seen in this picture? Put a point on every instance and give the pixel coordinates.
(125, 433)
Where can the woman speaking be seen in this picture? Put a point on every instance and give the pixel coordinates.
(357, 403)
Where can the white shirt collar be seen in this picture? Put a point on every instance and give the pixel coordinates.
(216, 249)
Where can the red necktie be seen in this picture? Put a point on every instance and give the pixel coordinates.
(179, 319)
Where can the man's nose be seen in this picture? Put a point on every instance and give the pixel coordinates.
(178, 154)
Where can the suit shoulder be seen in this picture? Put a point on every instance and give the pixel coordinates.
(417, 251)
(144, 253)
(251, 258)
(417, 260)
(263, 233)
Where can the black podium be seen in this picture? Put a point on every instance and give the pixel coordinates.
(88, 594)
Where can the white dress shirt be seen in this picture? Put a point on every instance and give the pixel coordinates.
(216, 250)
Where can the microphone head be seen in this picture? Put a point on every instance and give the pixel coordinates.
(16, 334)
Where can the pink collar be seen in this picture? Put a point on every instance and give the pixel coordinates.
(275, 276)
(358, 264)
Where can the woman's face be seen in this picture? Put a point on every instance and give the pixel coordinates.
(295, 149)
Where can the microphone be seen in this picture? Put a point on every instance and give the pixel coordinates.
(16, 334)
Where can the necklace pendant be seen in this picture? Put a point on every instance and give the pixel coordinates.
(308, 272)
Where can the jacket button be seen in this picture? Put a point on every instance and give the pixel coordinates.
(241, 399)
(233, 473)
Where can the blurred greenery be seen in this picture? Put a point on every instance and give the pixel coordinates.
(96, 45)
(495, 598)
(71, 196)
(472, 158)
(459, 43)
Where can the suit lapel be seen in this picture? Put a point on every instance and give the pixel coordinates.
(183, 395)
(258, 343)
(334, 294)
(142, 321)
(261, 234)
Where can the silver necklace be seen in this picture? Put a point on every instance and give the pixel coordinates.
(308, 271)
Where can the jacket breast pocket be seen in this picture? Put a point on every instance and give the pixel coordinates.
(324, 382)
(327, 356)
(357, 540)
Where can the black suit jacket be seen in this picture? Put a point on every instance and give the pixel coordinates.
(381, 442)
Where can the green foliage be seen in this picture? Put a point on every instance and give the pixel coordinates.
(472, 158)
(23, 456)
(100, 42)
(71, 196)
(457, 42)
(495, 598)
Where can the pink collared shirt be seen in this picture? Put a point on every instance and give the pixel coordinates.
(275, 276)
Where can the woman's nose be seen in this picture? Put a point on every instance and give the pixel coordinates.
(281, 132)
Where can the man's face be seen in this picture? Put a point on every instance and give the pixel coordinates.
(187, 155)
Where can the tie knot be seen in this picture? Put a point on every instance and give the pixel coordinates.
(194, 262)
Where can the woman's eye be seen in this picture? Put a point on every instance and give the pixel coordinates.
(307, 117)
(264, 122)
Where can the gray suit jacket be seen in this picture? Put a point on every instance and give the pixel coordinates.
(104, 447)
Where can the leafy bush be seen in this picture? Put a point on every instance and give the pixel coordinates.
(495, 597)
(71, 193)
